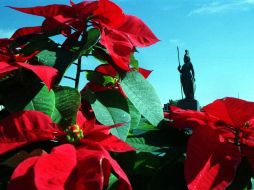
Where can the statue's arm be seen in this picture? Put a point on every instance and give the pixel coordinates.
(179, 69)
(192, 71)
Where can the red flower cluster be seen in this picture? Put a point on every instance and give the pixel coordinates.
(83, 160)
(85, 165)
(222, 135)
(120, 33)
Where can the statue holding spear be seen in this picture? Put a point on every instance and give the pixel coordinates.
(187, 76)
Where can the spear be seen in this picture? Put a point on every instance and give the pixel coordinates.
(180, 74)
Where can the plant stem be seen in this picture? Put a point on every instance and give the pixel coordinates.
(78, 73)
(70, 78)
(83, 41)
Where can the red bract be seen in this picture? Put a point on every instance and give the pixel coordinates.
(104, 12)
(109, 13)
(235, 112)
(121, 41)
(210, 164)
(10, 61)
(238, 116)
(118, 46)
(47, 74)
(106, 69)
(86, 166)
(144, 72)
(120, 33)
(25, 127)
(26, 31)
(100, 134)
(49, 171)
(46, 11)
(6, 69)
(138, 32)
(222, 135)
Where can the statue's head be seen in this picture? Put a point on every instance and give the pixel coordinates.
(186, 56)
(186, 59)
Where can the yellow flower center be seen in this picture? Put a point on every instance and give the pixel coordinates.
(74, 133)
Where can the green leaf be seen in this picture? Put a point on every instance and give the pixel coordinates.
(60, 59)
(99, 78)
(16, 94)
(143, 127)
(140, 145)
(101, 54)
(36, 44)
(44, 101)
(93, 36)
(143, 96)
(135, 115)
(110, 108)
(56, 116)
(113, 181)
(67, 104)
(134, 61)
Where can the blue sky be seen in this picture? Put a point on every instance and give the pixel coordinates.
(218, 34)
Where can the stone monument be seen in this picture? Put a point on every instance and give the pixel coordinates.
(187, 76)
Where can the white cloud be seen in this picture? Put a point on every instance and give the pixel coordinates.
(6, 33)
(228, 6)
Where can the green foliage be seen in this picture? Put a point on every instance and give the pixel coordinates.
(113, 181)
(93, 36)
(61, 104)
(110, 108)
(140, 144)
(129, 104)
(143, 96)
(133, 61)
(99, 78)
(134, 114)
(43, 101)
(58, 58)
(17, 92)
(67, 104)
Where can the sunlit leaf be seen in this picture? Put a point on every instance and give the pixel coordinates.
(143, 96)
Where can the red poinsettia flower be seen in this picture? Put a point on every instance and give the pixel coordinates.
(85, 165)
(121, 41)
(103, 12)
(222, 135)
(26, 31)
(10, 61)
(237, 116)
(70, 168)
(26, 127)
(120, 33)
(100, 134)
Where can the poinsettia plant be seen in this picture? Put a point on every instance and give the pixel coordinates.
(75, 131)
(110, 132)
(222, 138)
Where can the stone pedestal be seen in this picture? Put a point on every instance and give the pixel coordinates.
(191, 104)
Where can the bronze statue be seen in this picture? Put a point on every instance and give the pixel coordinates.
(187, 76)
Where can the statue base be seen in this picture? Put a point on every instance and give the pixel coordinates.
(190, 104)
